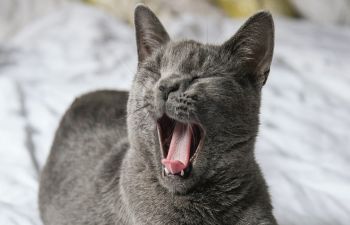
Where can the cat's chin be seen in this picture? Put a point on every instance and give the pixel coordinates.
(180, 144)
(178, 184)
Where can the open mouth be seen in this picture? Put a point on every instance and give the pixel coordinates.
(180, 143)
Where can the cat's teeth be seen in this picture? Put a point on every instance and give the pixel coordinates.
(166, 171)
(182, 173)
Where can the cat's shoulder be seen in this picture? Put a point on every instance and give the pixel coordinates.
(104, 101)
(99, 107)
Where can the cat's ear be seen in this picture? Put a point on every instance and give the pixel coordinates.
(252, 46)
(150, 33)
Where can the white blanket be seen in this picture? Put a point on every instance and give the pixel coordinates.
(303, 145)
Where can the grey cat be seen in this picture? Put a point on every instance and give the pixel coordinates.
(178, 149)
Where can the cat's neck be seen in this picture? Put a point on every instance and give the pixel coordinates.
(226, 191)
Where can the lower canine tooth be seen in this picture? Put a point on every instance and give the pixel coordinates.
(166, 171)
(182, 173)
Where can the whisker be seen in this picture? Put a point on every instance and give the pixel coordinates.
(188, 114)
(140, 108)
(143, 85)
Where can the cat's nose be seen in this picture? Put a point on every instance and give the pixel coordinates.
(167, 88)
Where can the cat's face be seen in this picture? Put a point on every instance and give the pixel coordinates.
(193, 106)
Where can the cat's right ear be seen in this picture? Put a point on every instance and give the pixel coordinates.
(150, 33)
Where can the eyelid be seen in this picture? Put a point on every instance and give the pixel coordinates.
(194, 78)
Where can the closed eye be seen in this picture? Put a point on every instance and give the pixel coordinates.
(194, 78)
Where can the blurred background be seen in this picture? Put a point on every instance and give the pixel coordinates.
(52, 51)
(15, 14)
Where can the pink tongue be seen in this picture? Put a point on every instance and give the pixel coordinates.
(179, 150)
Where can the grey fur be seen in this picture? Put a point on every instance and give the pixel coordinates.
(105, 167)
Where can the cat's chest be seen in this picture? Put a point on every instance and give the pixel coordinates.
(189, 214)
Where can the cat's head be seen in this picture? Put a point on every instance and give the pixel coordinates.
(193, 110)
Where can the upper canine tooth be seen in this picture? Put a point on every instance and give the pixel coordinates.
(182, 173)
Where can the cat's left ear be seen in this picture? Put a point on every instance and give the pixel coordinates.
(150, 33)
(252, 46)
